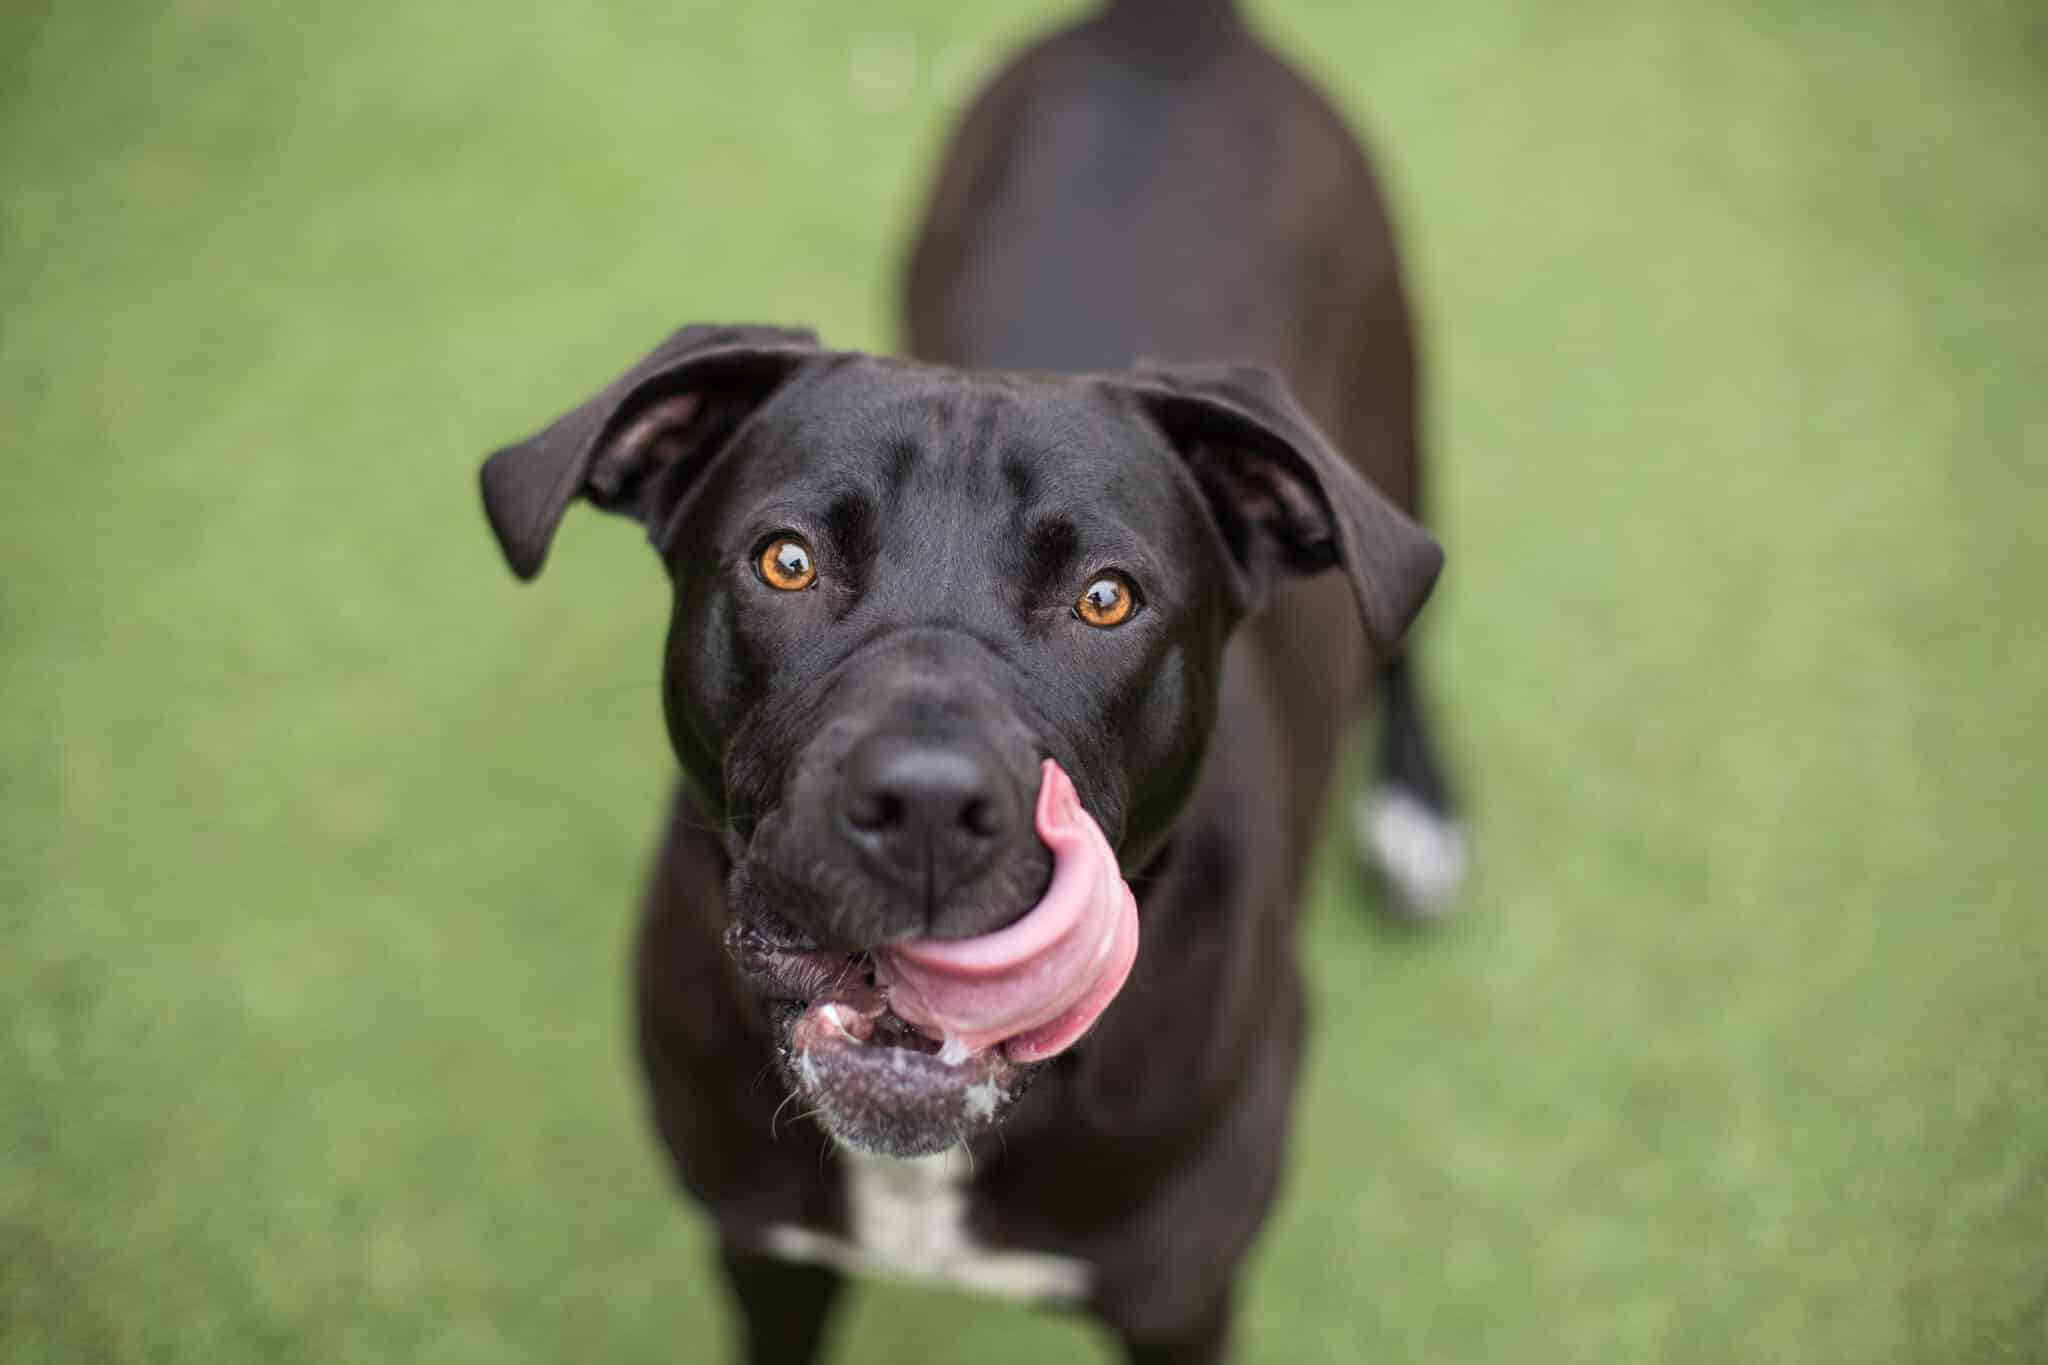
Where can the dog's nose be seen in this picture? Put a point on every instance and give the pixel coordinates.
(929, 815)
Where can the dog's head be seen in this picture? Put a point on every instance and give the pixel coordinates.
(945, 651)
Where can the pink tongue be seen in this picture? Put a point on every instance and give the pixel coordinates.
(1039, 984)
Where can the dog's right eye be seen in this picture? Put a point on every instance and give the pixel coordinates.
(786, 564)
(1109, 601)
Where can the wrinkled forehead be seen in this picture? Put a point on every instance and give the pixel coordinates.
(913, 439)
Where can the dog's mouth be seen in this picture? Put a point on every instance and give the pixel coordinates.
(907, 1048)
(865, 1073)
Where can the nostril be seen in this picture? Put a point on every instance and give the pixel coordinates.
(978, 817)
(875, 811)
(922, 802)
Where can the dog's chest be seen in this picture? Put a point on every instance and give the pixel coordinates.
(908, 1219)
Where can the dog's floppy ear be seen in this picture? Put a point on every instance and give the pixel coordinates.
(634, 447)
(1285, 500)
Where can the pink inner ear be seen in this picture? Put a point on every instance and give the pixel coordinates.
(1251, 493)
(1272, 494)
(660, 419)
(655, 438)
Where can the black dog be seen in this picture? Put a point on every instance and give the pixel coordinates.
(918, 608)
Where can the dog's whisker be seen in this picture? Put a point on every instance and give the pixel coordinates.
(772, 1118)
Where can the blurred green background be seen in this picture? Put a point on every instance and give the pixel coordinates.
(320, 839)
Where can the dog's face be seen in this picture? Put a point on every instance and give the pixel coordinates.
(898, 591)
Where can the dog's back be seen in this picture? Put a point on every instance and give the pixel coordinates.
(1154, 183)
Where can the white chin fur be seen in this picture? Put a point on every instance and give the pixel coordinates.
(1419, 851)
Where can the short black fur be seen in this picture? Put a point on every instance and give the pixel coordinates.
(1151, 183)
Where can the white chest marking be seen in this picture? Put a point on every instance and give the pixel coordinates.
(909, 1220)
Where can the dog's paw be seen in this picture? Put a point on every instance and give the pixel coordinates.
(1420, 852)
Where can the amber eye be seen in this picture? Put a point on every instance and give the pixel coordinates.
(1108, 601)
(785, 562)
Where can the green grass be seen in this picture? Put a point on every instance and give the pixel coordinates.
(319, 839)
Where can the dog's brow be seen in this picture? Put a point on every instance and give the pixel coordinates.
(1021, 478)
(903, 454)
(987, 409)
(850, 522)
(1048, 550)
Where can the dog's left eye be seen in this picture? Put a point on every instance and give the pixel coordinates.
(1110, 600)
(786, 563)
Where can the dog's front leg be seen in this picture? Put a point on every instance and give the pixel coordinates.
(783, 1307)
(1204, 1339)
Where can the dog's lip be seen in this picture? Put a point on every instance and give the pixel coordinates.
(860, 1067)
(780, 969)
(836, 992)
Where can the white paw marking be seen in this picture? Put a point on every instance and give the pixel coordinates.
(1422, 854)
(909, 1220)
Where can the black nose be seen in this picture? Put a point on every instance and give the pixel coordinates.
(927, 815)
